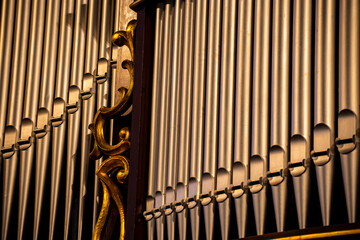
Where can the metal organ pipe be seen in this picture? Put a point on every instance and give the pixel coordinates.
(74, 106)
(14, 113)
(211, 116)
(6, 41)
(164, 118)
(323, 153)
(48, 59)
(197, 121)
(258, 97)
(185, 118)
(280, 87)
(301, 97)
(58, 118)
(260, 111)
(226, 112)
(242, 125)
(347, 140)
(173, 154)
(42, 130)
(33, 78)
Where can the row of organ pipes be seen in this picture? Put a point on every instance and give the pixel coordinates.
(248, 98)
(55, 70)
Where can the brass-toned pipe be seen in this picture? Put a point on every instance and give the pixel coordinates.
(14, 112)
(211, 115)
(185, 117)
(91, 57)
(58, 117)
(31, 99)
(43, 134)
(242, 124)
(164, 116)
(74, 107)
(173, 154)
(197, 121)
(226, 113)
(260, 110)
(324, 101)
(348, 117)
(155, 118)
(6, 42)
(301, 97)
(280, 87)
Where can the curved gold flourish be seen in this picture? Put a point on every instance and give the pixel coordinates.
(111, 189)
(103, 213)
(101, 146)
(116, 164)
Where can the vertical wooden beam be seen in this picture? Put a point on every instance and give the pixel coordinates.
(140, 125)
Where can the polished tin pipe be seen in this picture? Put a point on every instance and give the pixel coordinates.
(31, 99)
(88, 102)
(6, 42)
(185, 119)
(260, 110)
(301, 97)
(348, 117)
(155, 118)
(74, 108)
(323, 153)
(197, 121)
(164, 118)
(226, 118)
(173, 154)
(42, 131)
(280, 87)
(58, 118)
(242, 124)
(211, 116)
(14, 113)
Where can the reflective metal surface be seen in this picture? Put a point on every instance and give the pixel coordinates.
(268, 79)
(48, 56)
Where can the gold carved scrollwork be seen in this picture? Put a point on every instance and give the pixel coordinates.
(117, 163)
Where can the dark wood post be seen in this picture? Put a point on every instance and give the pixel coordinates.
(140, 124)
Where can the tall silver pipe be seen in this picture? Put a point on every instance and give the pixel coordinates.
(117, 11)
(58, 118)
(211, 116)
(323, 153)
(348, 117)
(280, 86)
(185, 118)
(260, 111)
(94, 50)
(87, 91)
(155, 127)
(102, 75)
(242, 125)
(6, 42)
(74, 106)
(226, 118)
(88, 113)
(33, 77)
(173, 154)
(42, 130)
(15, 108)
(301, 96)
(197, 122)
(164, 116)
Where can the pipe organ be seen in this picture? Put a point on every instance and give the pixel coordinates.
(254, 117)
(57, 66)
